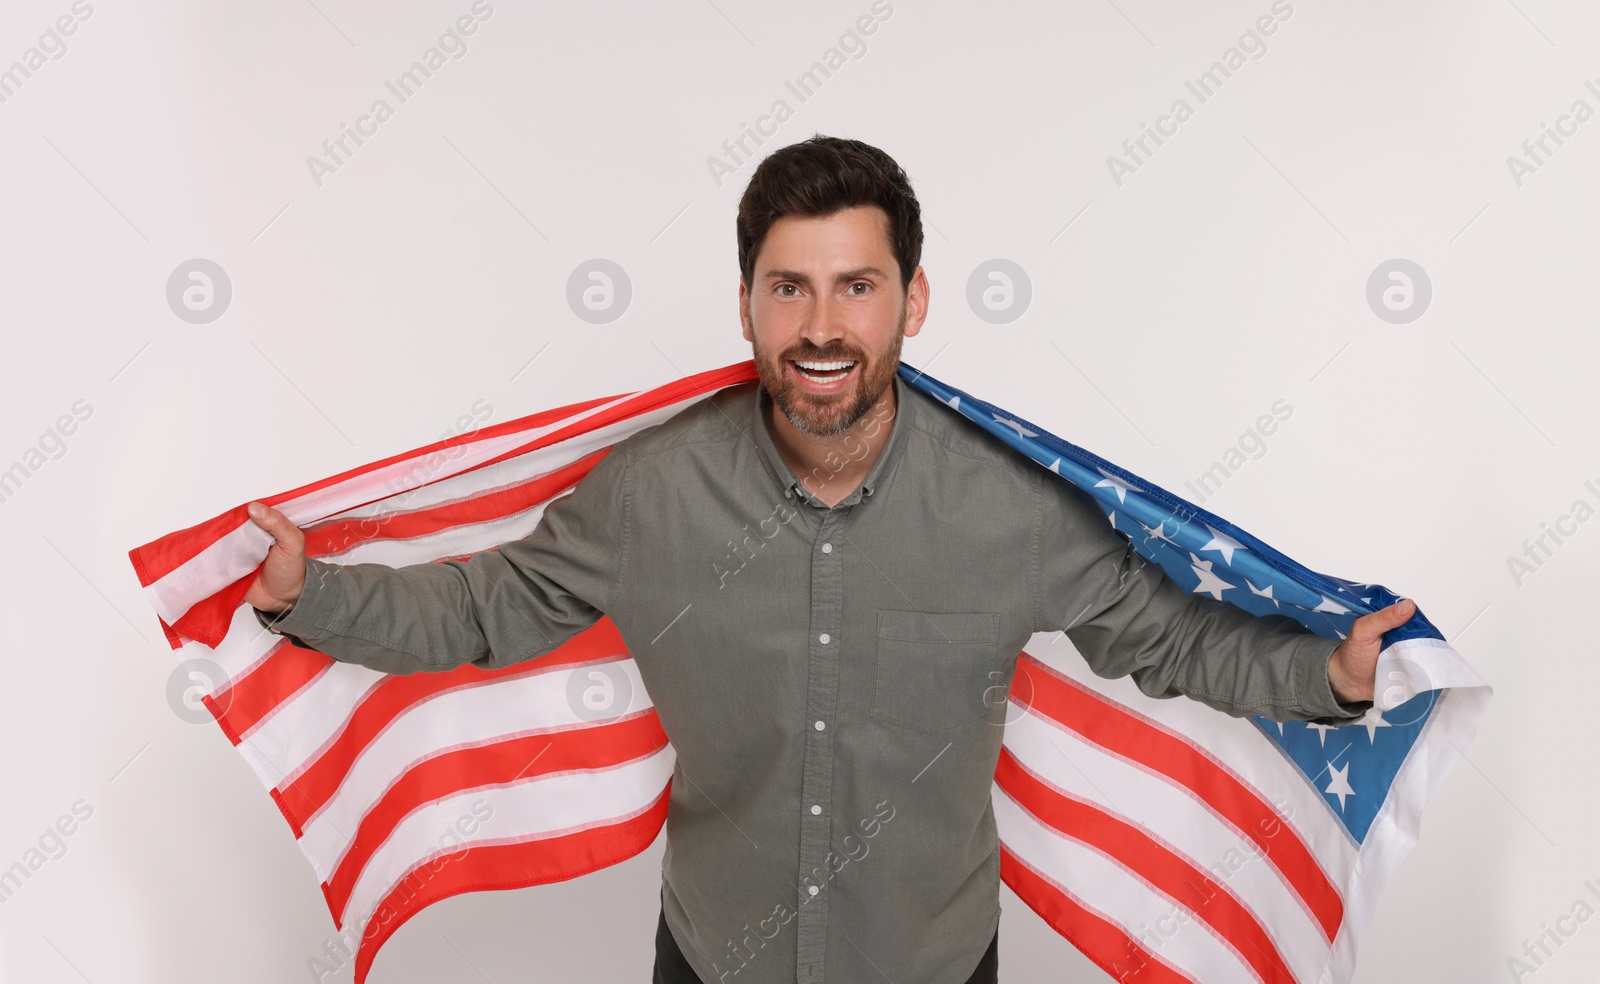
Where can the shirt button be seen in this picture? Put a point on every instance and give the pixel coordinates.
(823, 638)
(816, 809)
(827, 548)
(812, 889)
(819, 726)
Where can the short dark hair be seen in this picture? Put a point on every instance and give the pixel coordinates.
(821, 176)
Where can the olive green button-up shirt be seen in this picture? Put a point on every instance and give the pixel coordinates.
(825, 675)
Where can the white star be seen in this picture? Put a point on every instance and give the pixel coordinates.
(955, 402)
(1340, 786)
(1209, 582)
(1112, 515)
(1159, 533)
(1329, 605)
(1265, 592)
(1055, 466)
(1224, 544)
(1373, 721)
(1021, 430)
(1322, 731)
(1116, 483)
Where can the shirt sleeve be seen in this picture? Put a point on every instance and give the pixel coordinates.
(497, 607)
(1128, 618)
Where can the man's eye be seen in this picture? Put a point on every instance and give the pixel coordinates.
(859, 283)
(784, 287)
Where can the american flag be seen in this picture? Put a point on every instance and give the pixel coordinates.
(1166, 841)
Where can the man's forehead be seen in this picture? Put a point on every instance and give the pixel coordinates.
(837, 242)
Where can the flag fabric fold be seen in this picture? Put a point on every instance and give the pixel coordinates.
(1166, 841)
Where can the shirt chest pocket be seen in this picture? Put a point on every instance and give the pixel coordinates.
(934, 670)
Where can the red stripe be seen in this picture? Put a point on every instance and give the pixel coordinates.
(518, 760)
(1103, 722)
(162, 556)
(283, 808)
(173, 639)
(1096, 937)
(286, 671)
(507, 866)
(158, 558)
(335, 537)
(1166, 871)
(207, 622)
(274, 682)
(313, 786)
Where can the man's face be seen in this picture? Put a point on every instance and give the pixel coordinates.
(825, 316)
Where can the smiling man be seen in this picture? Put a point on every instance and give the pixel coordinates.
(831, 699)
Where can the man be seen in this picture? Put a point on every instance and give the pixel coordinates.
(824, 579)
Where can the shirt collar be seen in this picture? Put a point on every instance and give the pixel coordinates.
(760, 407)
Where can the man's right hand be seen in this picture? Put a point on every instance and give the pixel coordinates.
(283, 575)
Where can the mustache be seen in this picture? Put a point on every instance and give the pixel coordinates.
(823, 355)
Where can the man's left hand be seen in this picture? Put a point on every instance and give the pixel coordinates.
(1353, 668)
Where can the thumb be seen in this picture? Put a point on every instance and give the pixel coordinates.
(1370, 628)
(1384, 619)
(274, 522)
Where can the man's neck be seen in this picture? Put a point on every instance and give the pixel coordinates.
(831, 468)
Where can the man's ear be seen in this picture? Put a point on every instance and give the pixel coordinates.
(916, 302)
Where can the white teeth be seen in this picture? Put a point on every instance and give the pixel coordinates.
(824, 372)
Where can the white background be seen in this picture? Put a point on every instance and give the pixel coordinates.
(1169, 313)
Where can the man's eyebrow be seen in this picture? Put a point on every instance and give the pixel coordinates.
(855, 274)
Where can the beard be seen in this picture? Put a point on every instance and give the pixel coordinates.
(830, 415)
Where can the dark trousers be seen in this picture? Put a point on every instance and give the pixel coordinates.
(672, 968)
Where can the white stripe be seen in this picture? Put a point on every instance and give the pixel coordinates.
(1174, 818)
(462, 718)
(223, 561)
(1414, 666)
(301, 725)
(245, 646)
(532, 809)
(1236, 744)
(1129, 902)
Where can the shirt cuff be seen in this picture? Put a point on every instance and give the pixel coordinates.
(1317, 690)
(310, 612)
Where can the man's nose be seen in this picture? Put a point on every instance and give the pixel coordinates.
(824, 323)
